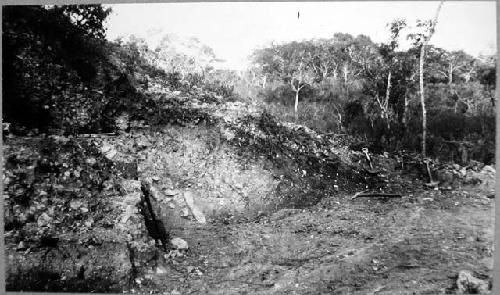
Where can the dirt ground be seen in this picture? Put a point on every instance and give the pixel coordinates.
(340, 247)
(249, 226)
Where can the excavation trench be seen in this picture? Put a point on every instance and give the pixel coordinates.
(205, 183)
(151, 212)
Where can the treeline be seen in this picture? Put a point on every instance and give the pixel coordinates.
(183, 71)
(61, 75)
(353, 85)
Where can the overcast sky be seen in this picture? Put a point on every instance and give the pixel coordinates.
(233, 30)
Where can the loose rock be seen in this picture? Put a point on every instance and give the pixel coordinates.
(184, 212)
(180, 244)
(161, 270)
(21, 246)
(44, 220)
(198, 215)
(489, 169)
(108, 151)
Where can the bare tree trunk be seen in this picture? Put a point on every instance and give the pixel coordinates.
(346, 80)
(450, 75)
(339, 118)
(421, 68)
(297, 90)
(296, 106)
(386, 103)
(422, 101)
(492, 96)
(346, 72)
(405, 110)
(387, 95)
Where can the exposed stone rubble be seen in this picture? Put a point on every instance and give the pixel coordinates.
(468, 283)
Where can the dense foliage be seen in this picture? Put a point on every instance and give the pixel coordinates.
(49, 62)
(371, 90)
(61, 75)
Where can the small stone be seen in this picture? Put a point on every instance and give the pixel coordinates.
(75, 204)
(84, 210)
(184, 212)
(130, 209)
(171, 205)
(44, 220)
(180, 244)
(161, 270)
(489, 169)
(91, 161)
(170, 192)
(109, 151)
(21, 246)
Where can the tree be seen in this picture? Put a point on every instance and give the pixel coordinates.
(345, 51)
(289, 63)
(487, 75)
(422, 39)
(325, 60)
(88, 18)
(50, 52)
(406, 71)
(297, 68)
(450, 65)
(388, 64)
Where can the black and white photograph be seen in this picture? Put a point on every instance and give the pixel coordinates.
(249, 147)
